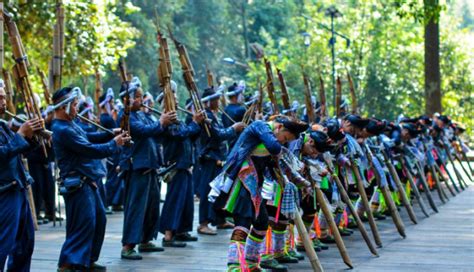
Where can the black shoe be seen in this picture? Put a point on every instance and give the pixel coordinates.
(130, 254)
(328, 240)
(379, 216)
(185, 237)
(286, 259)
(117, 208)
(273, 265)
(345, 232)
(51, 218)
(302, 249)
(173, 243)
(149, 247)
(97, 267)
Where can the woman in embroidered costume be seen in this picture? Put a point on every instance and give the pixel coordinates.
(248, 183)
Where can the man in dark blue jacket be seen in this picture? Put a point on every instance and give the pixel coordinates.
(234, 109)
(141, 162)
(76, 152)
(178, 209)
(16, 225)
(114, 183)
(212, 154)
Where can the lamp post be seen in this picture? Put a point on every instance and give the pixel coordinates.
(334, 13)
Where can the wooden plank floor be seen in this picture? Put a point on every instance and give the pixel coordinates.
(442, 242)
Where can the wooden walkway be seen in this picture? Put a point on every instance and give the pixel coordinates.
(442, 242)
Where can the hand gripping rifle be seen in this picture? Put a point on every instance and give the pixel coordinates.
(125, 121)
(271, 87)
(188, 76)
(21, 72)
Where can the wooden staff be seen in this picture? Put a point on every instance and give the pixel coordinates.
(337, 110)
(365, 202)
(414, 187)
(387, 197)
(401, 190)
(321, 199)
(347, 200)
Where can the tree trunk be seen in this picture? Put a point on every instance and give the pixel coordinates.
(432, 68)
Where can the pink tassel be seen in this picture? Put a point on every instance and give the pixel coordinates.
(243, 263)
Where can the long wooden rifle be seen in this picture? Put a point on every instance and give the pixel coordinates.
(44, 83)
(285, 98)
(9, 91)
(353, 93)
(322, 97)
(98, 88)
(307, 99)
(188, 75)
(21, 72)
(125, 121)
(165, 71)
(58, 48)
(271, 87)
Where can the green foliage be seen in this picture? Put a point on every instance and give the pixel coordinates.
(384, 57)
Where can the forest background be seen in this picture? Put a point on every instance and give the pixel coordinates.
(385, 55)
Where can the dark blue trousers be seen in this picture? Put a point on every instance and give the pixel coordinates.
(209, 171)
(141, 207)
(178, 210)
(43, 188)
(17, 234)
(113, 187)
(85, 227)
